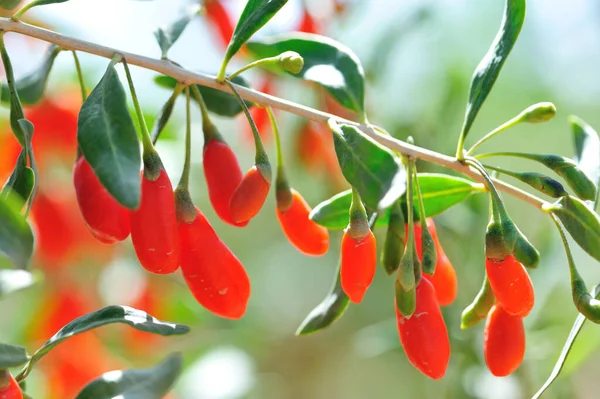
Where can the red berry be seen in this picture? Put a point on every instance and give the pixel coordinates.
(214, 275)
(307, 236)
(223, 175)
(219, 17)
(504, 342)
(249, 197)
(154, 226)
(9, 387)
(104, 216)
(359, 261)
(424, 335)
(511, 285)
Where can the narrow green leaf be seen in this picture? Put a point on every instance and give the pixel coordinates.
(489, 68)
(326, 62)
(217, 101)
(562, 358)
(581, 222)
(163, 116)
(166, 36)
(587, 147)
(440, 192)
(16, 109)
(255, 15)
(152, 383)
(16, 236)
(14, 280)
(21, 180)
(368, 166)
(108, 140)
(12, 356)
(31, 88)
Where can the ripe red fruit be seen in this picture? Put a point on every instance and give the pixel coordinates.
(154, 226)
(511, 285)
(444, 278)
(214, 275)
(359, 261)
(308, 23)
(424, 335)
(249, 197)
(223, 175)
(9, 387)
(107, 220)
(504, 342)
(219, 17)
(307, 236)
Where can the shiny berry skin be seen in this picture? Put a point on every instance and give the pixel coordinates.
(307, 236)
(223, 175)
(424, 335)
(11, 389)
(503, 342)
(359, 261)
(444, 277)
(106, 219)
(249, 197)
(511, 285)
(214, 275)
(154, 226)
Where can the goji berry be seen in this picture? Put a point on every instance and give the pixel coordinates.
(214, 275)
(260, 116)
(504, 341)
(307, 236)
(359, 261)
(249, 197)
(511, 285)
(107, 220)
(219, 17)
(154, 226)
(308, 23)
(223, 175)
(9, 387)
(424, 335)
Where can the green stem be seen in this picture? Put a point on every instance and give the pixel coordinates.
(17, 16)
(420, 197)
(460, 147)
(206, 122)
(146, 139)
(261, 155)
(183, 184)
(410, 204)
(79, 75)
(280, 166)
(257, 63)
(223, 69)
(513, 122)
(498, 206)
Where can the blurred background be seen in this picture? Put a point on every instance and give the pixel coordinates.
(418, 57)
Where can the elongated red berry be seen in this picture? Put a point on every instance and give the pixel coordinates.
(307, 236)
(504, 342)
(214, 275)
(444, 277)
(154, 226)
(249, 197)
(219, 17)
(9, 388)
(424, 335)
(223, 175)
(511, 285)
(359, 261)
(107, 220)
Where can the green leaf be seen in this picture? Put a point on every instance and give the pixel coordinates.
(166, 36)
(9, 4)
(16, 236)
(440, 192)
(217, 101)
(152, 383)
(163, 116)
(137, 319)
(21, 180)
(326, 62)
(562, 358)
(12, 356)
(108, 140)
(255, 15)
(368, 166)
(31, 88)
(587, 147)
(489, 68)
(14, 280)
(16, 109)
(580, 221)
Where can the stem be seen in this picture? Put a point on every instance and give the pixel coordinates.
(261, 62)
(187, 78)
(460, 147)
(17, 16)
(146, 139)
(421, 204)
(79, 76)
(280, 169)
(206, 122)
(513, 122)
(183, 184)
(410, 204)
(523, 155)
(498, 205)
